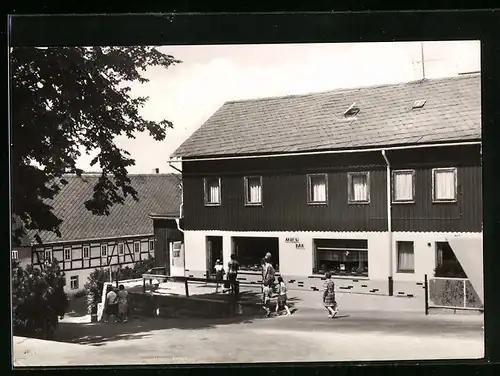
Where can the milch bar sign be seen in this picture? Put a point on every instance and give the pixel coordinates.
(295, 241)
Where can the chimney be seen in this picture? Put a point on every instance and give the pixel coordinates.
(157, 170)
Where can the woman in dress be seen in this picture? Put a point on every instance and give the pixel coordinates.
(122, 304)
(329, 296)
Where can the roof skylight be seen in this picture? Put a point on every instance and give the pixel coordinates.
(418, 104)
(352, 110)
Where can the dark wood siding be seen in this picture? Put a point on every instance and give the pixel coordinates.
(165, 232)
(285, 205)
(463, 216)
(284, 197)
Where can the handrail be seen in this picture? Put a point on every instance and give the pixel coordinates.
(184, 279)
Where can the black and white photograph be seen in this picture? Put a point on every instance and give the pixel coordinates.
(246, 203)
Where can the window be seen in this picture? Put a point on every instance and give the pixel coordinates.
(86, 251)
(353, 110)
(74, 282)
(250, 251)
(447, 264)
(359, 187)
(418, 104)
(120, 248)
(151, 245)
(212, 191)
(406, 257)
(344, 257)
(104, 249)
(47, 255)
(403, 186)
(253, 190)
(67, 253)
(317, 186)
(15, 255)
(137, 247)
(444, 184)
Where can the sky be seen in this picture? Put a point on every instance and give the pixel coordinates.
(188, 94)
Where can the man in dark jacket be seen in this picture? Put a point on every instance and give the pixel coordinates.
(232, 272)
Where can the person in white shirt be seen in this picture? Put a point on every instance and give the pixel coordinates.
(111, 308)
(219, 273)
(282, 296)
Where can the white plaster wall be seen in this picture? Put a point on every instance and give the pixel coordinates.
(293, 260)
(424, 251)
(299, 262)
(195, 250)
(378, 256)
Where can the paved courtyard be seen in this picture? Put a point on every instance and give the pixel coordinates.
(367, 328)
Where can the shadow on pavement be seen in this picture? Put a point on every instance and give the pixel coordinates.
(137, 327)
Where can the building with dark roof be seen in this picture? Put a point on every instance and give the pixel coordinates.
(368, 183)
(123, 237)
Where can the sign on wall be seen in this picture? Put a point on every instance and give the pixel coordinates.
(296, 241)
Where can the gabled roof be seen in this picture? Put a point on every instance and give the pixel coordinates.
(157, 193)
(452, 112)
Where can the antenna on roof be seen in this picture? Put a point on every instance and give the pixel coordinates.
(423, 60)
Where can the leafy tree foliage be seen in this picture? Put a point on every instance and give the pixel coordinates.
(66, 98)
(38, 299)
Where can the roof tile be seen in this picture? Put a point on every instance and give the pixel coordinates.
(315, 121)
(158, 193)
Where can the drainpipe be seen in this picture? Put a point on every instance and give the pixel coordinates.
(178, 220)
(389, 222)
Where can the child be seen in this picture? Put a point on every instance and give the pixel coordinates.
(266, 299)
(219, 274)
(281, 302)
(329, 296)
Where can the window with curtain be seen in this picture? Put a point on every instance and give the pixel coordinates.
(406, 257)
(403, 186)
(317, 185)
(253, 186)
(359, 187)
(445, 184)
(212, 191)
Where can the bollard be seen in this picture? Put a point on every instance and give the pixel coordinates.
(426, 291)
(391, 286)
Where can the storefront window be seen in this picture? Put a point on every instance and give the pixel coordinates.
(343, 257)
(250, 252)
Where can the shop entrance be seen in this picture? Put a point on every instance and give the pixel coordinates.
(214, 253)
(250, 251)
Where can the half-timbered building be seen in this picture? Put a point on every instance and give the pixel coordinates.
(369, 183)
(123, 237)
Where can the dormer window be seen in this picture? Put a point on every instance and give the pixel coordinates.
(418, 104)
(352, 110)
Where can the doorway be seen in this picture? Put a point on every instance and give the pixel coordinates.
(214, 253)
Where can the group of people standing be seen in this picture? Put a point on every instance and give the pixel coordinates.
(232, 272)
(116, 304)
(271, 286)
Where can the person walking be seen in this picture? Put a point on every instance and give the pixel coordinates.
(282, 296)
(219, 274)
(232, 272)
(122, 304)
(267, 284)
(329, 301)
